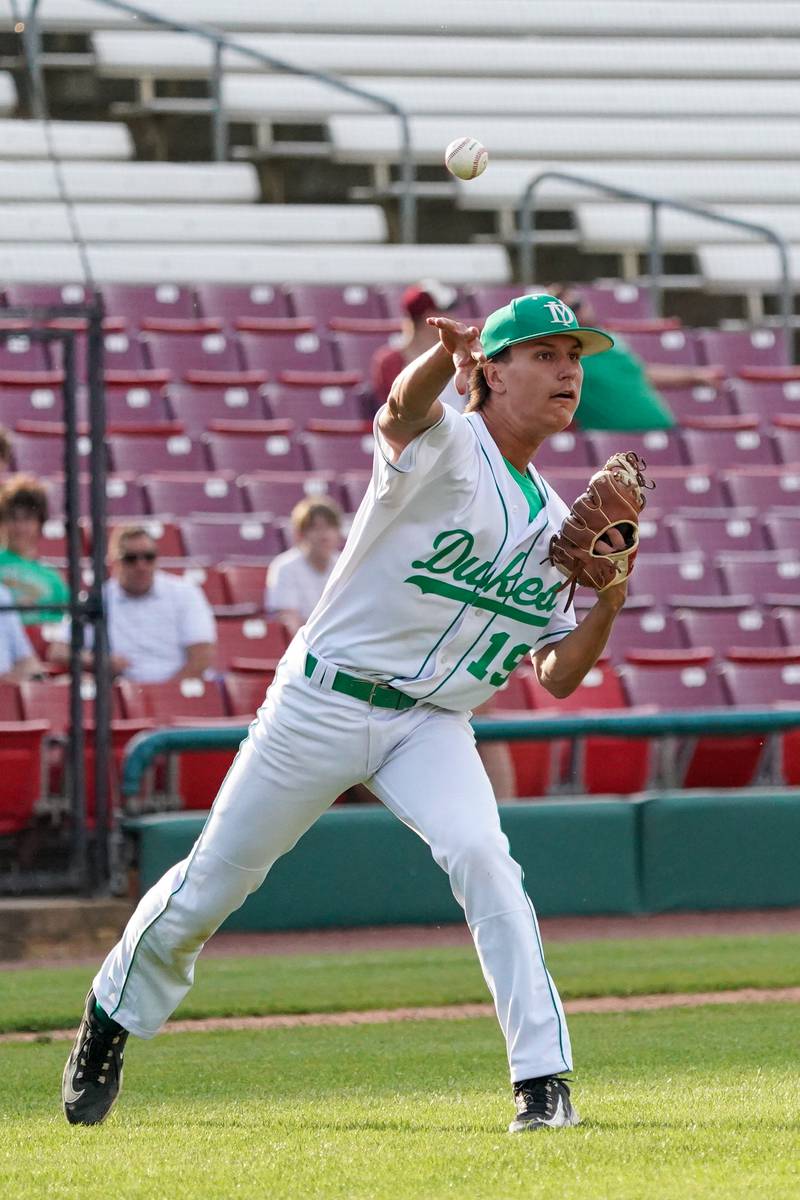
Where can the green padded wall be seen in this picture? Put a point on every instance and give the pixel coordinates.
(721, 850)
(361, 866)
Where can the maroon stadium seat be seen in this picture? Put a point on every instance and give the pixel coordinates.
(278, 491)
(196, 407)
(784, 531)
(45, 295)
(320, 302)
(657, 447)
(662, 576)
(355, 350)
(124, 496)
(275, 353)
(347, 450)
(145, 453)
(673, 346)
(728, 447)
(755, 685)
(770, 578)
(201, 358)
(133, 405)
(702, 400)
(684, 487)
(229, 301)
(786, 432)
(718, 530)
(763, 487)
(215, 538)
(19, 352)
(30, 402)
(209, 579)
(643, 629)
(254, 446)
(570, 448)
(487, 298)
(616, 299)
(300, 403)
(43, 453)
(724, 629)
(136, 303)
(733, 349)
(185, 493)
(165, 533)
(765, 397)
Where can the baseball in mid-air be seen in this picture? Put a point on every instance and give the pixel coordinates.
(466, 158)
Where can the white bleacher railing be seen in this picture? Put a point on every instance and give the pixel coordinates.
(220, 41)
(527, 226)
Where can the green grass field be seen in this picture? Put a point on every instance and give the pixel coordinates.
(684, 1103)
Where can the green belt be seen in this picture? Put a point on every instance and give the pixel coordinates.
(381, 695)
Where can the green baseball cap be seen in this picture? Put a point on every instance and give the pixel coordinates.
(538, 316)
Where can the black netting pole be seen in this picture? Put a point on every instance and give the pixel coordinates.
(76, 741)
(102, 677)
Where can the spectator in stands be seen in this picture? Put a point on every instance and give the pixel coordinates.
(17, 659)
(160, 627)
(296, 579)
(5, 452)
(426, 299)
(23, 512)
(621, 393)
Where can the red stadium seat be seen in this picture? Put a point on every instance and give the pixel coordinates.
(705, 761)
(135, 303)
(165, 533)
(209, 579)
(21, 773)
(243, 643)
(246, 691)
(764, 685)
(603, 764)
(197, 699)
(533, 761)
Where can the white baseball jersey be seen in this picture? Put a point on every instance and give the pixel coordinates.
(442, 588)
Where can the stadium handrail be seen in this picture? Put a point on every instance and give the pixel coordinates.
(220, 42)
(145, 747)
(527, 207)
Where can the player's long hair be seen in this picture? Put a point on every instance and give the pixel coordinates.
(479, 390)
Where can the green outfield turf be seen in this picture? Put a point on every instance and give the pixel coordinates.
(49, 998)
(676, 1105)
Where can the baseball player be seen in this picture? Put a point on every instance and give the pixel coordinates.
(442, 589)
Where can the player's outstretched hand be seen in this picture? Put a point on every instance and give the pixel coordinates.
(463, 342)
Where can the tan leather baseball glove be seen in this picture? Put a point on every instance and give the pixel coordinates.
(585, 549)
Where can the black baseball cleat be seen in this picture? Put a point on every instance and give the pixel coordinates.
(93, 1075)
(542, 1103)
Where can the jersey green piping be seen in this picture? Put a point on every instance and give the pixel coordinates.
(458, 615)
(195, 848)
(546, 972)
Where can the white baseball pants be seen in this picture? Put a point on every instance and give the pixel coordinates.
(305, 747)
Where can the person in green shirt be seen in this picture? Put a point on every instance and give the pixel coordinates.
(619, 390)
(23, 512)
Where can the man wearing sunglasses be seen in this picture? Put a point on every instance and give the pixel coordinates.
(159, 626)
